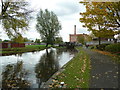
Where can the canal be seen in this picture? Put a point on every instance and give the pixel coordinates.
(32, 69)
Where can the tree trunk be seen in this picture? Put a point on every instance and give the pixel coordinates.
(52, 44)
(115, 40)
(46, 44)
(99, 40)
(47, 51)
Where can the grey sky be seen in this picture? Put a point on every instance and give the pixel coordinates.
(67, 12)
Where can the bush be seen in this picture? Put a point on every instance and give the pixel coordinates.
(101, 46)
(113, 48)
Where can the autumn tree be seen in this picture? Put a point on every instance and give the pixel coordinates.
(48, 26)
(84, 38)
(113, 16)
(26, 39)
(18, 39)
(14, 16)
(81, 39)
(98, 19)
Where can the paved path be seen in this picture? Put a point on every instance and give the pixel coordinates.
(104, 71)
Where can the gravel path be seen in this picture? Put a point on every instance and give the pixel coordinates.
(104, 71)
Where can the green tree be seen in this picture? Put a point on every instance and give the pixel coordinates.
(97, 19)
(26, 39)
(6, 40)
(14, 16)
(18, 39)
(81, 39)
(58, 40)
(37, 41)
(32, 40)
(0, 40)
(46, 67)
(48, 26)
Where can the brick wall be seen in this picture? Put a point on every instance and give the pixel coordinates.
(4, 45)
(14, 45)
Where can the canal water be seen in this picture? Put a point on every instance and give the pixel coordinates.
(32, 69)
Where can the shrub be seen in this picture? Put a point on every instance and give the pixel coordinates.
(113, 48)
(101, 46)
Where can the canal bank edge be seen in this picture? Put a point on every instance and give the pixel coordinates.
(30, 48)
(74, 74)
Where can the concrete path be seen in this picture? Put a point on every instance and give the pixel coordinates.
(104, 71)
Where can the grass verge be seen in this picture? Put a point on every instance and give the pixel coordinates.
(28, 48)
(76, 73)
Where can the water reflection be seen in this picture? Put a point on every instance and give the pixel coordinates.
(30, 70)
(46, 67)
(14, 76)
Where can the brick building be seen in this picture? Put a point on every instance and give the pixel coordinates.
(73, 37)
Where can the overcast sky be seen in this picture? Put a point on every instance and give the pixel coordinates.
(67, 12)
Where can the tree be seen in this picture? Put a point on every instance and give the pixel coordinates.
(37, 41)
(6, 40)
(81, 39)
(98, 20)
(32, 40)
(18, 39)
(58, 40)
(26, 39)
(14, 16)
(12, 76)
(113, 15)
(0, 40)
(46, 67)
(48, 26)
(92, 35)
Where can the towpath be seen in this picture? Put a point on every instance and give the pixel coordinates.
(104, 70)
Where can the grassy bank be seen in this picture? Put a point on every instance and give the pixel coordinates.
(76, 73)
(28, 48)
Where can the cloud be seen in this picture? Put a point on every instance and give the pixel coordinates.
(67, 12)
(66, 8)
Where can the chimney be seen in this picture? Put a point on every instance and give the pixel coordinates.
(74, 29)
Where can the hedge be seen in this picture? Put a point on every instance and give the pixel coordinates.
(115, 48)
(102, 46)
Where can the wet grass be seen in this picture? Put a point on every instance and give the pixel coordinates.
(76, 73)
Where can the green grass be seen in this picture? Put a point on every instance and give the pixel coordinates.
(28, 48)
(76, 73)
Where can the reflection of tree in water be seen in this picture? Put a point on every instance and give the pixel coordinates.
(60, 51)
(14, 75)
(46, 67)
